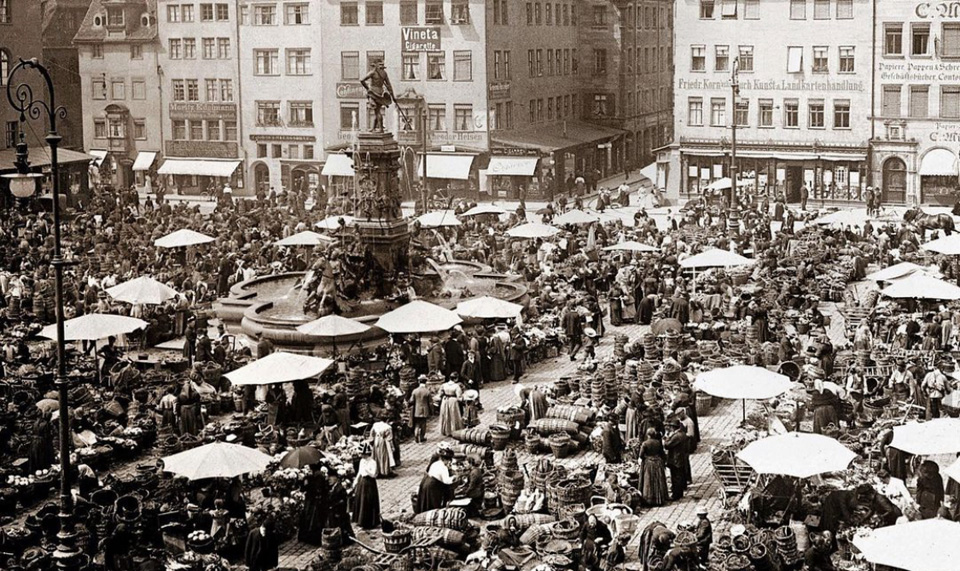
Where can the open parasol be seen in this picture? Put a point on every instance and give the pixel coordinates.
(532, 230)
(438, 219)
(743, 382)
(631, 246)
(333, 326)
(715, 258)
(279, 367)
(484, 209)
(94, 326)
(144, 289)
(305, 238)
(797, 454)
(182, 239)
(937, 436)
(487, 307)
(575, 217)
(333, 222)
(418, 316)
(919, 285)
(925, 545)
(661, 326)
(216, 460)
(301, 457)
(896, 272)
(948, 245)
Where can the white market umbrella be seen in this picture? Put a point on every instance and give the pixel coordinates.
(631, 246)
(484, 209)
(279, 367)
(333, 222)
(953, 470)
(921, 286)
(216, 460)
(487, 307)
(724, 183)
(937, 436)
(715, 258)
(182, 239)
(532, 230)
(418, 317)
(94, 326)
(843, 218)
(894, 272)
(142, 290)
(305, 238)
(797, 454)
(575, 217)
(924, 545)
(948, 245)
(743, 382)
(438, 219)
(333, 326)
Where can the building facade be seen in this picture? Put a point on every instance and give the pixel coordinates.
(801, 110)
(61, 20)
(119, 59)
(19, 38)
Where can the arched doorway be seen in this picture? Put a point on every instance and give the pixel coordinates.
(304, 178)
(894, 181)
(261, 177)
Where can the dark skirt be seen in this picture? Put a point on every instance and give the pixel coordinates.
(653, 482)
(366, 503)
(824, 416)
(190, 419)
(312, 521)
(433, 494)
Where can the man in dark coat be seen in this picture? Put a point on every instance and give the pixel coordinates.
(204, 347)
(262, 550)
(573, 328)
(470, 371)
(420, 400)
(677, 445)
(645, 310)
(453, 350)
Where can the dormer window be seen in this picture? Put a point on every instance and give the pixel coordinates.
(97, 21)
(145, 20)
(115, 17)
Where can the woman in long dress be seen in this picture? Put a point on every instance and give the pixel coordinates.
(436, 487)
(366, 496)
(497, 352)
(450, 418)
(383, 448)
(653, 477)
(632, 417)
(314, 508)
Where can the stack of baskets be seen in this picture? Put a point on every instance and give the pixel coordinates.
(586, 386)
(610, 381)
(645, 373)
(565, 491)
(408, 379)
(671, 342)
(787, 545)
(511, 486)
(499, 436)
(542, 472)
(619, 347)
(479, 436)
(598, 390)
(331, 545)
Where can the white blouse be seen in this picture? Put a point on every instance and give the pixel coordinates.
(368, 467)
(439, 471)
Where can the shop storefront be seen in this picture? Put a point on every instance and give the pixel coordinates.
(515, 173)
(451, 174)
(200, 176)
(338, 175)
(145, 170)
(74, 172)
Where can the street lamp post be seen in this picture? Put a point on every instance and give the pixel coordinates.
(22, 99)
(735, 97)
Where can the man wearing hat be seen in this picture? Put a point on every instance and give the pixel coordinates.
(677, 445)
(704, 533)
(420, 401)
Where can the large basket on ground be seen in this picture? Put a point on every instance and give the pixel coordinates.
(479, 436)
(577, 414)
(560, 444)
(563, 491)
(499, 436)
(450, 518)
(397, 540)
(548, 426)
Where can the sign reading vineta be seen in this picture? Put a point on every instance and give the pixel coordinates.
(421, 39)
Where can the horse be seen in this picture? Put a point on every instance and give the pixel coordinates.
(925, 221)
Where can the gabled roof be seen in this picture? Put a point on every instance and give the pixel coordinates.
(89, 33)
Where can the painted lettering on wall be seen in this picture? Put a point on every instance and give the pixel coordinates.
(945, 132)
(421, 39)
(702, 84)
(919, 71)
(933, 10)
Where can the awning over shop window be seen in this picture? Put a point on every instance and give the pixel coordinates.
(650, 172)
(550, 138)
(779, 155)
(199, 167)
(98, 156)
(338, 165)
(939, 162)
(702, 152)
(841, 157)
(144, 160)
(440, 165)
(40, 157)
(512, 166)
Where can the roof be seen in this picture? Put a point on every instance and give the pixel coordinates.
(89, 33)
(40, 157)
(553, 137)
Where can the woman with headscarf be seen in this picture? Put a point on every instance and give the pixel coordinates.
(632, 416)
(189, 408)
(41, 454)
(366, 496)
(436, 487)
(383, 452)
(824, 404)
(312, 518)
(450, 418)
(337, 503)
(929, 489)
(653, 476)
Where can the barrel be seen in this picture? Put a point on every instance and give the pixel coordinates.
(704, 404)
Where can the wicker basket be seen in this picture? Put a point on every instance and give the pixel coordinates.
(578, 414)
(563, 491)
(532, 442)
(397, 541)
(479, 436)
(568, 529)
(548, 426)
(499, 436)
(560, 444)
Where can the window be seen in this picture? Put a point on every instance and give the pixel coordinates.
(223, 48)
(599, 62)
(434, 12)
(408, 12)
(574, 61)
(599, 15)
(531, 63)
(99, 129)
(350, 65)
(374, 13)
(538, 19)
(136, 51)
(532, 107)
(698, 58)
(213, 130)
(919, 101)
(791, 113)
(920, 41)
(261, 150)
(817, 120)
(206, 12)
(497, 74)
(265, 15)
(463, 118)
(193, 90)
(549, 63)
(209, 48)
(139, 129)
(529, 13)
(189, 48)
(436, 66)
(179, 129)
(244, 14)
(349, 115)
(6, 16)
(746, 58)
(751, 9)
(841, 114)
(566, 61)
(301, 114)
(437, 117)
(695, 111)
(798, 9)
(741, 113)
(506, 65)
(706, 9)
(539, 63)
(891, 101)
(308, 152)
(411, 66)
(460, 12)
(226, 90)
(893, 39)
(298, 62)
(463, 65)
(196, 130)
(728, 9)
(223, 12)
(549, 22)
(96, 51)
(268, 113)
(118, 89)
(549, 106)
(500, 13)
(820, 59)
(794, 59)
(293, 151)
(267, 62)
(139, 89)
(846, 59)
(951, 41)
(821, 9)
(296, 14)
(211, 89)
(600, 104)
(950, 102)
(115, 17)
(179, 91)
(718, 112)
(349, 14)
(566, 15)
(765, 113)
(722, 59)
(844, 9)
(229, 130)
(276, 151)
(116, 128)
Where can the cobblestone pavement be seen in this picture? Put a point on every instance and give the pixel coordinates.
(704, 491)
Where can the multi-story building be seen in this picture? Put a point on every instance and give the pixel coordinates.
(282, 93)
(801, 112)
(19, 38)
(199, 67)
(119, 63)
(61, 20)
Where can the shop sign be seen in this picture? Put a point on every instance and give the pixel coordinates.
(283, 138)
(224, 111)
(823, 85)
(350, 91)
(929, 72)
(514, 152)
(437, 139)
(421, 39)
(499, 90)
(934, 10)
(945, 133)
(201, 149)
